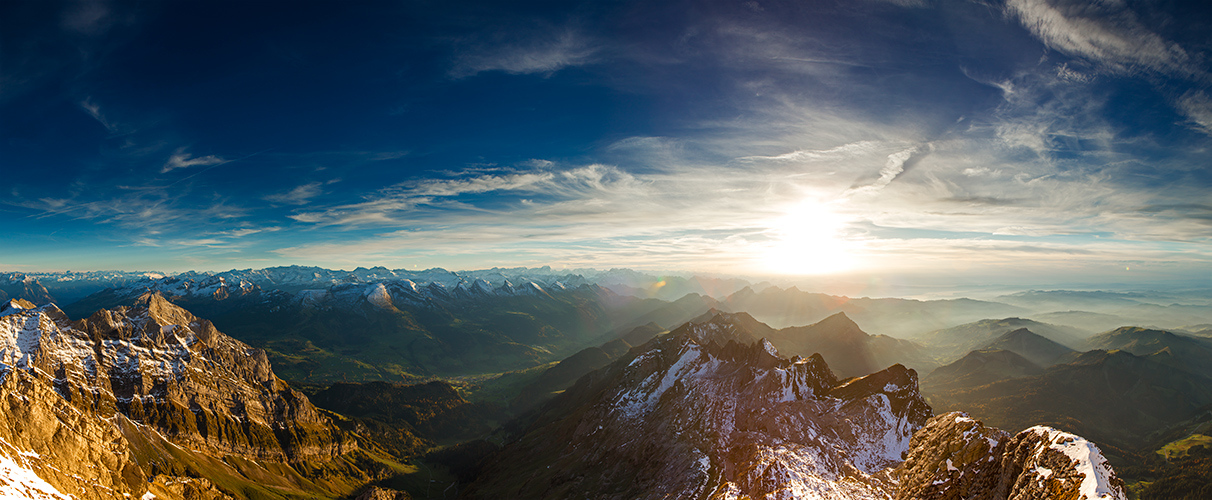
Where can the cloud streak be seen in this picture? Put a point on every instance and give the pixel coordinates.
(300, 195)
(1105, 32)
(182, 159)
(94, 110)
(545, 53)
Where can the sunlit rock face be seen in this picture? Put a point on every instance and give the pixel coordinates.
(701, 413)
(85, 405)
(159, 365)
(958, 457)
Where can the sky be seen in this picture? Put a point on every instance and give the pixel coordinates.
(1020, 140)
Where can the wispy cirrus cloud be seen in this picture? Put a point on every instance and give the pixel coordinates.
(94, 110)
(1108, 33)
(300, 195)
(404, 203)
(892, 168)
(1116, 39)
(152, 212)
(547, 51)
(182, 159)
(1198, 108)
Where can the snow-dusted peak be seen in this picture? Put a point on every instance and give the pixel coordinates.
(769, 348)
(956, 453)
(1098, 481)
(437, 289)
(530, 288)
(15, 306)
(481, 287)
(719, 327)
(377, 294)
(709, 419)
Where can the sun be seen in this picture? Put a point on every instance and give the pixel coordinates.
(808, 240)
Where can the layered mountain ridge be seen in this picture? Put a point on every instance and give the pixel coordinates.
(708, 412)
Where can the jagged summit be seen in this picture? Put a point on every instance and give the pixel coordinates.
(700, 414)
(955, 456)
(16, 305)
(101, 407)
(156, 362)
(722, 327)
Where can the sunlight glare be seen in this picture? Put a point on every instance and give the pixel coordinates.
(809, 241)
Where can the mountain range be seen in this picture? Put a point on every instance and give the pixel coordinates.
(406, 369)
(170, 407)
(702, 412)
(375, 325)
(950, 344)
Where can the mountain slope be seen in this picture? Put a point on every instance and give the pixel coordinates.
(166, 397)
(954, 456)
(953, 343)
(1110, 397)
(1187, 353)
(691, 417)
(848, 349)
(701, 414)
(567, 371)
(18, 286)
(1035, 348)
(979, 368)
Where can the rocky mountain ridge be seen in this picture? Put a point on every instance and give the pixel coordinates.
(702, 413)
(150, 399)
(955, 456)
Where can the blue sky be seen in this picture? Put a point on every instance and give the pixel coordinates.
(1027, 139)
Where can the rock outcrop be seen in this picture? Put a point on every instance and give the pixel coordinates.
(957, 457)
(159, 365)
(152, 399)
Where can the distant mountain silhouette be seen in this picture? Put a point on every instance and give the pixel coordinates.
(979, 368)
(847, 348)
(952, 343)
(1037, 349)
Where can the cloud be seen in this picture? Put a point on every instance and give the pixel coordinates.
(1108, 33)
(1051, 115)
(1198, 109)
(181, 159)
(149, 212)
(892, 168)
(907, 3)
(546, 53)
(94, 110)
(404, 203)
(300, 195)
(842, 152)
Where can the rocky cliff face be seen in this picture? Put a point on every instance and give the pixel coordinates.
(954, 456)
(699, 413)
(159, 365)
(98, 408)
